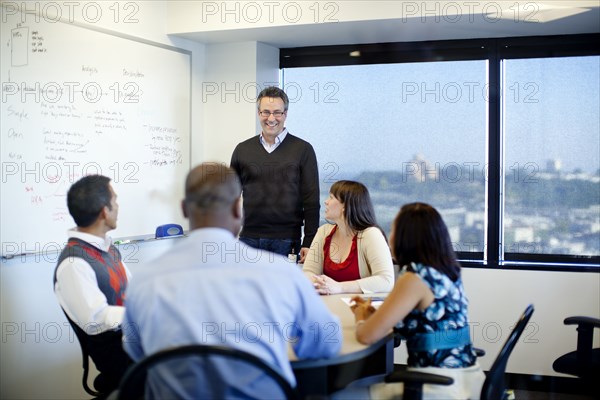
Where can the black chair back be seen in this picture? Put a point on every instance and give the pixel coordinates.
(584, 362)
(85, 354)
(494, 385)
(132, 384)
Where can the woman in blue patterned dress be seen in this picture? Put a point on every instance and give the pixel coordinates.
(427, 305)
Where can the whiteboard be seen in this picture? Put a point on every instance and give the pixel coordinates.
(80, 100)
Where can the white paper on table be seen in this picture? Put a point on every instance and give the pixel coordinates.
(375, 300)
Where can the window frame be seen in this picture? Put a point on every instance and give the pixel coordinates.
(494, 51)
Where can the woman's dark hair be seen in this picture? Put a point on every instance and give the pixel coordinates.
(419, 235)
(87, 197)
(358, 208)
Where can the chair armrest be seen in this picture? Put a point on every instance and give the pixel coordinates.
(595, 322)
(585, 336)
(479, 352)
(418, 377)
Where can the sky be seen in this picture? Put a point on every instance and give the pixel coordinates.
(377, 117)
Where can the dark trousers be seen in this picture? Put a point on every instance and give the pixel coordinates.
(278, 246)
(106, 350)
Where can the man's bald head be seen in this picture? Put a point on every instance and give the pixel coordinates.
(212, 193)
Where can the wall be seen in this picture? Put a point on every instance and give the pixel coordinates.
(235, 73)
(498, 298)
(39, 355)
(206, 16)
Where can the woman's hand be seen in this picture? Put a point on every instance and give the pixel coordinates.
(303, 254)
(362, 308)
(325, 285)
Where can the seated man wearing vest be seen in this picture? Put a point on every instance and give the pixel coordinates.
(90, 279)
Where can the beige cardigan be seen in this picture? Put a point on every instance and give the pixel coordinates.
(374, 259)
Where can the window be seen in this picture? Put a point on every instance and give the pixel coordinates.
(409, 132)
(506, 148)
(552, 156)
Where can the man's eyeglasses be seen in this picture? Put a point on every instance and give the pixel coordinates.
(267, 114)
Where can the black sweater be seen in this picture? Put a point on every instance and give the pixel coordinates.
(280, 189)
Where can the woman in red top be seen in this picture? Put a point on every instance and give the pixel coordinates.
(351, 254)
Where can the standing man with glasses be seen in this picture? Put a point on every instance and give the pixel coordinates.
(280, 182)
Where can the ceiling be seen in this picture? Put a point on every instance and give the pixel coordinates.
(548, 20)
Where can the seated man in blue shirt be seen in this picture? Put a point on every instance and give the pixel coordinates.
(212, 289)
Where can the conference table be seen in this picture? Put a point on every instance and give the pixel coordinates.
(355, 362)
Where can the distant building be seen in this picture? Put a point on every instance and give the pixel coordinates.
(553, 166)
(524, 234)
(420, 170)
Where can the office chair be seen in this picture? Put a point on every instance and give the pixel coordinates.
(585, 361)
(132, 384)
(99, 390)
(494, 385)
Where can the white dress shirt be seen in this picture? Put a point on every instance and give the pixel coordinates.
(278, 139)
